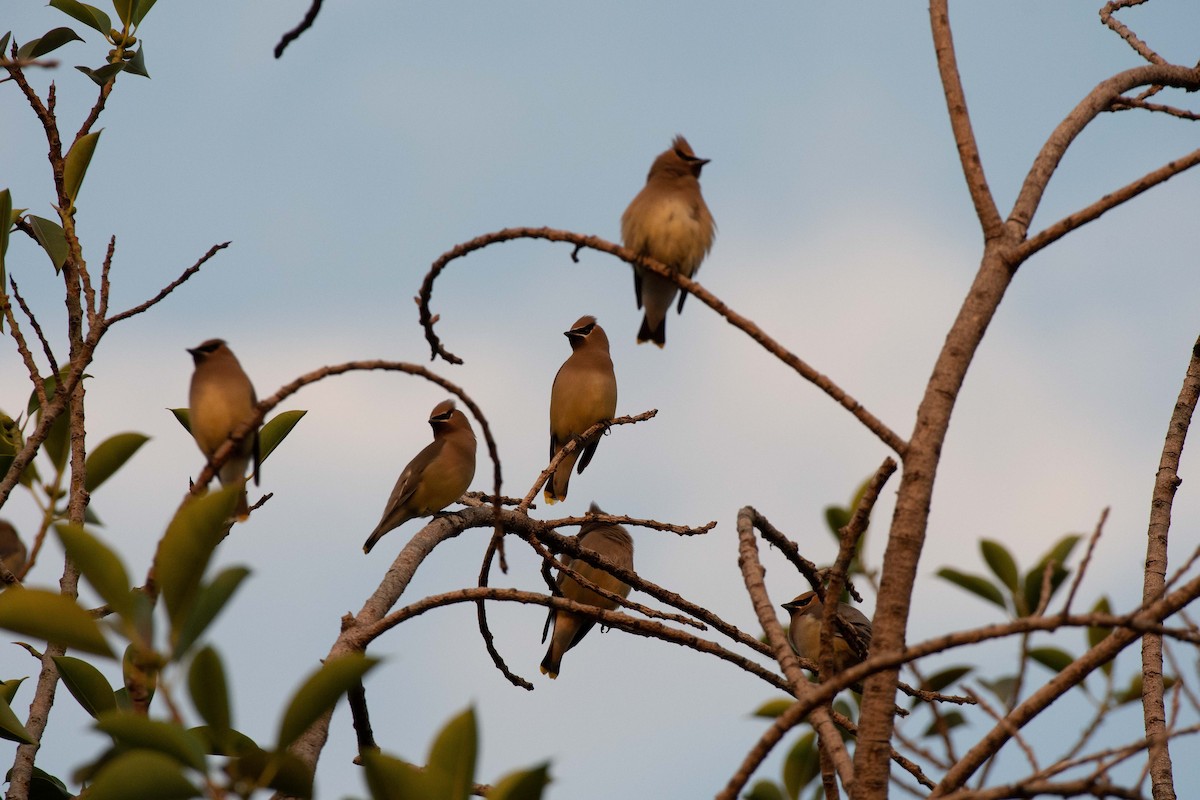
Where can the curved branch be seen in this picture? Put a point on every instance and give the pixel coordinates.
(822, 382)
(960, 121)
(1097, 101)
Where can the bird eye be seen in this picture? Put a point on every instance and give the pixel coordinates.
(586, 329)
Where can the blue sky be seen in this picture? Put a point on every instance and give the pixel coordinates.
(391, 132)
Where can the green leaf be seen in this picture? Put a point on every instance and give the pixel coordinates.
(836, 518)
(183, 417)
(526, 784)
(139, 670)
(764, 790)
(773, 708)
(36, 48)
(139, 13)
(390, 778)
(1003, 688)
(452, 755)
(975, 584)
(210, 694)
(51, 237)
(109, 456)
(137, 64)
(125, 10)
(11, 727)
(275, 430)
(45, 786)
(282, 771)
(1096, 635)
(86, 684)
(88, 15)
(1052, 658)
(1033, 585)
(949, 721)
(100, 565)
(186, 548)
(1001, 563)
(143, 774)
(801, 765)
(53, 617)
(76, 163)
(8, 689)
(227, 743)
(319, 693)
(102, 75)
(135, 731)
(4, 44)
(210, 600)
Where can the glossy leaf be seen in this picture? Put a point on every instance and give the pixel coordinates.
(8, 689)
(949, 721)
(144, 774)
(1001, 562)
(11, 727)
(526, 784)
(110, 455)
(225, 743)
(51, 237)
(1003, 688)
(390, 778)
(36, 48)
(773, 708)
(210, 600)
(99, 565)
(209, 691)
(1096, 635)
(1033, 584)
(186, 548)
(1052, 658)
(88, 15)
(45, 786)
(102, 75)
(836, 518)
(86, 684)
(137, 64)
(53, 617)
(275, 430)
(4, 44)
(320, 692)
(453, 755)
(143, 8)
(125, 10)
(975, 584)
(76, 163)
(801, 765)
(183, 417)
(136, 731)
(282, 771)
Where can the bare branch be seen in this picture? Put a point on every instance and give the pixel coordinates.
(187, 273)
(295, 33)
(822, 382)
(1087, 559)
(36, 329)
(1119, 28)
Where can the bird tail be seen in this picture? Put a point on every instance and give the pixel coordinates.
(658, 335)
(242, 510)
(372, 540)
(550, 664)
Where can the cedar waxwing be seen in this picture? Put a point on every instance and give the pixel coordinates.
(584, 393)
(669, 222)
(12, 549)
(614, 543)
(221, 398)
(804, 632)
(439, 475)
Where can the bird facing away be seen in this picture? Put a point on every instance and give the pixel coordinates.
(614, 543)
(436, 477)
(12, 549)
(669, 222)
(222, 398)
(804, 632)
(584, 393)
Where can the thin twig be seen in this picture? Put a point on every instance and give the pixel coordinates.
(295, 33)
(187, 273)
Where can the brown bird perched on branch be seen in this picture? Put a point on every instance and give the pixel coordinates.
(222, 398)
(614, 543)
(804, 632)
(436, 477)
(12, 549)
(669, 222)
(584, 393)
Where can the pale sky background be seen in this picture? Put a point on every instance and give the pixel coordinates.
(391, 132)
